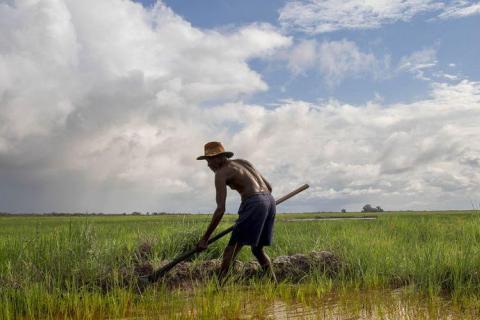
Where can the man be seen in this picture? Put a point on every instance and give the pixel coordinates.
(256, 213)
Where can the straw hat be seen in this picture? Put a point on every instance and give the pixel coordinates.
(213, 149)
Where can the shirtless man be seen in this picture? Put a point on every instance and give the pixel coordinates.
(256, 213)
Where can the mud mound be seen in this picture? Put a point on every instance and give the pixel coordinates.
(291, 268)
(297, 266)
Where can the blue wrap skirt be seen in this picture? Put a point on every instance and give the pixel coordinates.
(254, 226)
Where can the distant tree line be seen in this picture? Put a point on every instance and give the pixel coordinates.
(369, 208)
(134, 213)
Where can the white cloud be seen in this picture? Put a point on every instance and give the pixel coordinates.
(449, 76)
(339, 60)
(460, 9)
(100, 95)
(335, 60)
(320, 16)
(400, 154)
(303, 56)
(418, 62)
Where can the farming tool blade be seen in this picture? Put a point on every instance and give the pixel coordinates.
(163, 270)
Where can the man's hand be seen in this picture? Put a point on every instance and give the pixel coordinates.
(202, 245)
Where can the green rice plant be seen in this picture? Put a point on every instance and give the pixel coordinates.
(84, 267)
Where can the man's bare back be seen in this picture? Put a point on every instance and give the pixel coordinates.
(240, 175)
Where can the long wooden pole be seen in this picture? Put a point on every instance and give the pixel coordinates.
(160, 272)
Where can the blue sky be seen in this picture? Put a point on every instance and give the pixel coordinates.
(218, 13)
(104, 105)
(455, 41)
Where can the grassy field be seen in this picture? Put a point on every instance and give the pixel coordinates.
(56, 267)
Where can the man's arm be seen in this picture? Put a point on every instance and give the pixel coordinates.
(221, 196)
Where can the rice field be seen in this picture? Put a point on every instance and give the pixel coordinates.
(409, 265)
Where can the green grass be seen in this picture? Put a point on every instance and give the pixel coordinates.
(57, 266)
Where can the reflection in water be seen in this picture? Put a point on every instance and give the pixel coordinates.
(366, 305)
(282, 310)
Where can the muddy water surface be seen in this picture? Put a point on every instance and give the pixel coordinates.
(367, 305)
(361, 305)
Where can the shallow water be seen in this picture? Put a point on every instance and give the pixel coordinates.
(331, 218)
(361, 305)
(367, 305)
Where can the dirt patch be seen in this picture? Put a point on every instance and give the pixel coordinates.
(290, 268)
(298, 266)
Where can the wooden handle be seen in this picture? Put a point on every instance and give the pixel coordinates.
(291, 194)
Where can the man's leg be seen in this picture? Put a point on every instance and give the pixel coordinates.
(264, 261)
(229, 255)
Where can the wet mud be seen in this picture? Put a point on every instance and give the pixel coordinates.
(292, 268)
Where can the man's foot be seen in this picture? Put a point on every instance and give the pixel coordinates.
(267, 273)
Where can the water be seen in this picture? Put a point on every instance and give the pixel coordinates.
(359, 305)
(367, 305)
(330, 218)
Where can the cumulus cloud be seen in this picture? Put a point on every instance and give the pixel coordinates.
(103, 108)
(98, 97)
(320, 16)
(335, 60)
(416, 155)
(339, 59)
(303, 57)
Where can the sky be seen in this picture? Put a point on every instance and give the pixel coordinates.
(104, 105)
